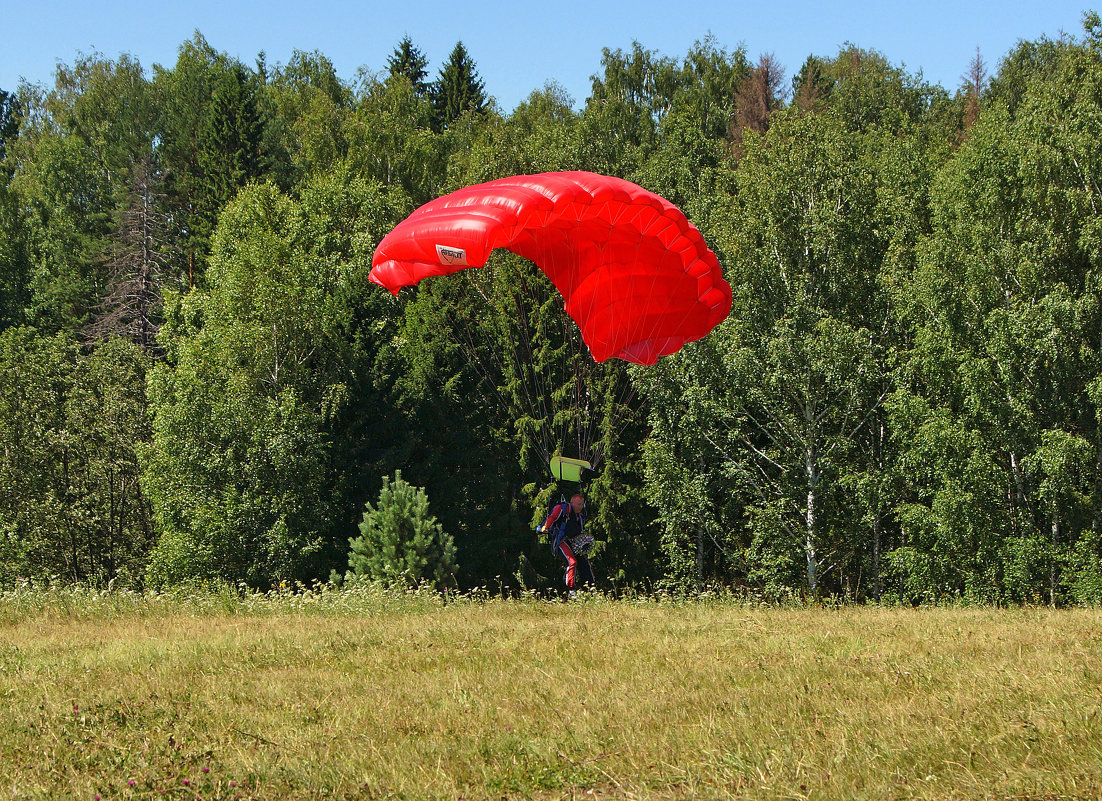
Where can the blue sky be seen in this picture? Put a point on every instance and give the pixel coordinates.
(517, 46)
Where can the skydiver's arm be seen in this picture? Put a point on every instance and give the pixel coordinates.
(551, 518)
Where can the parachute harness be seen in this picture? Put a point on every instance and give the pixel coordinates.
(581, 542)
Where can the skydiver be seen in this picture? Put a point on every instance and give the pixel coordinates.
(565, 525)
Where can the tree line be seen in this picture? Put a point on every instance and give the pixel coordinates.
(198, 382)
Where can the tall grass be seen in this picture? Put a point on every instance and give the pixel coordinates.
(364, 694)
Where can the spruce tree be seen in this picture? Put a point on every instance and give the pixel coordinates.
(9, 125)
(135, 262)
(14, 257)
(811, 86)
(230, 145)
(400, 542)
(758, 96)
(458, 89)
(409, 62)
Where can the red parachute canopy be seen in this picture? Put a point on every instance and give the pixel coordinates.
(635, 274)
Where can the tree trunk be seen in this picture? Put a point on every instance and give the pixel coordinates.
(699, 561)
(1052, 561)
(809, 543)
(876, 557)
(1096, 517)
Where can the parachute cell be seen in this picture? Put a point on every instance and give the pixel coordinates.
(634, 273)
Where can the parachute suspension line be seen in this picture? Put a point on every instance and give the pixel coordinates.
(588, 434)
(565, 389)
(623, 413)
(592, 427)
(581, 417)
(535, 393)
(627, 409)
(536, 380)
(535, 386)
(476, 356)
(568, 384)
(516, 363)
(590, 408)
(466, 323)
(579, 372)
(553, 384)
(593, 412)
(558, 379)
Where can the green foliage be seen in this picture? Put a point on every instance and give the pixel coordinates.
(995, 410)
(69, 165)
(259, 419)
(70, 427)
(1086, 563)
(685, 473)
(220, 127)
(14, 256)
(541, 135)
(400, 543)
(391, 139)
(10, 112)
(905, 404)
(792, 381)
(863, 90)
(307, 105)
(229, 152)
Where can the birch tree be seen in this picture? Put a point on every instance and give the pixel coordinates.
(797, 373)
(995, 396)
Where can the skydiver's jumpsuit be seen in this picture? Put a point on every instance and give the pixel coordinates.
(568, 526)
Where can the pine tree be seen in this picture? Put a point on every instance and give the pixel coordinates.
(14, 260)
(458, 89)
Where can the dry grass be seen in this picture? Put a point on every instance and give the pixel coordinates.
(335, 696)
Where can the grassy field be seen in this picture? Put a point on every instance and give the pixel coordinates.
(366, 695)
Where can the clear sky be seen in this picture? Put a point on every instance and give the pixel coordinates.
(519, 46)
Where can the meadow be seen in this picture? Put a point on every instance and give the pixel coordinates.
(363, 694)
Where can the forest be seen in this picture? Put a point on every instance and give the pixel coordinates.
(199, 383)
